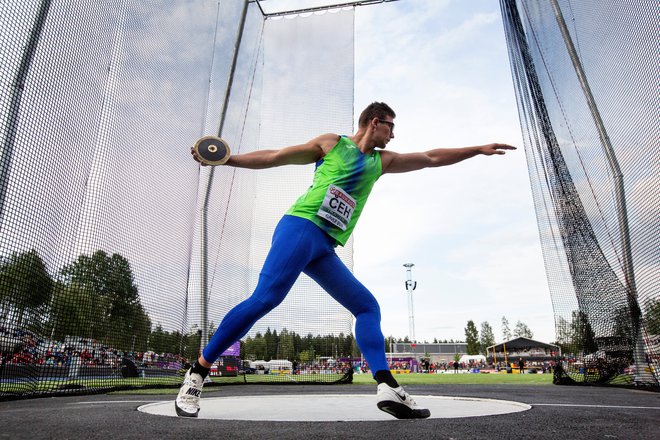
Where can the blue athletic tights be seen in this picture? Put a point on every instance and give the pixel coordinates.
(301, 246)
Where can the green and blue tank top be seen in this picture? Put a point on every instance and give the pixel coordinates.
(342, 182)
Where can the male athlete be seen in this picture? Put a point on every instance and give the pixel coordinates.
(305, 238)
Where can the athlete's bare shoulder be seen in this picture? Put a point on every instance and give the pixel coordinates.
(386, 157)
(327, 141)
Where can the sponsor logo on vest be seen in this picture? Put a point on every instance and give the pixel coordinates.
(338, 193)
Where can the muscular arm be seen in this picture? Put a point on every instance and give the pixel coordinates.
(402, 163)
(306, 153)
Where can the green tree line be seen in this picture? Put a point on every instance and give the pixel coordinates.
(292, 346)
(478, 341)
(96, 297)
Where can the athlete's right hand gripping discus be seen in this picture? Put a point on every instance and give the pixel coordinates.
(212, 150)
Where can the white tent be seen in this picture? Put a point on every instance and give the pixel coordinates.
(280, 364)
(472, 358)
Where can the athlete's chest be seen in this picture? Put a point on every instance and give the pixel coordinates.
(349, 162)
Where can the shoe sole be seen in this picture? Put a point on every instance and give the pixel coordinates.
(401, 411)
(182, 413)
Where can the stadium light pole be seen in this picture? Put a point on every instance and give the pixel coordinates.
(410, 286)
(619, 191)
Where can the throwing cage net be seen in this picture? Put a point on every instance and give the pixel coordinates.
(119, 255)
(585, 75)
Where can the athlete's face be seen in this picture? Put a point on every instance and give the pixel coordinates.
(384, 131)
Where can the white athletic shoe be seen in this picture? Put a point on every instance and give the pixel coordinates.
(187, 402)
(397, 402)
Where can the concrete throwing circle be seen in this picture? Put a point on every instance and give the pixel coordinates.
(329, 408)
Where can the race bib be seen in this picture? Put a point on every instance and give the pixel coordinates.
(337, 207)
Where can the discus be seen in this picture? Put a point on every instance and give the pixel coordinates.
(212, 150)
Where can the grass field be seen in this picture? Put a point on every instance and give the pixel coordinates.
(463, 379)
(403, 379)
(171, 385)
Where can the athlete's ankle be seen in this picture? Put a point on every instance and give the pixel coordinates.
(199, 369)
(385, 376)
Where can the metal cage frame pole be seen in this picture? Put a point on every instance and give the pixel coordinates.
(204, 287)
(622, 212)
(7, 153)
(347, 4)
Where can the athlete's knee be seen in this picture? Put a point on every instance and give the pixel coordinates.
(270, 292)
(369, 307)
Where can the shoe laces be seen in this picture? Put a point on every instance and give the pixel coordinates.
(193, 382)
(409, 398)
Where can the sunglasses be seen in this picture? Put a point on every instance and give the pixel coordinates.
(388, 123)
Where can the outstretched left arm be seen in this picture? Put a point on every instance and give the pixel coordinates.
(402, 163)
